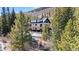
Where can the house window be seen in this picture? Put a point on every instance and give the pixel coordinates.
(35, 24)
(40, 25)
(35, 28)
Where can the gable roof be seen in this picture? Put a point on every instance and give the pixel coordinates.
(42, 20)
(46, 20)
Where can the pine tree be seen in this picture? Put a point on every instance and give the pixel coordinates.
(45, 32)
(4, 22)
(59, 21)
(13, 17)
(64, 43)
(20, 33)
(0, 26)
(8, 17)
(70, 35)
(69, 38)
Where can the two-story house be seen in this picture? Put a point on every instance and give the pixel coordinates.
(37, 24)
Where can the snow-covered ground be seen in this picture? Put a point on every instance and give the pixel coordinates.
(36, 35)
(5, 46)
(2, 46)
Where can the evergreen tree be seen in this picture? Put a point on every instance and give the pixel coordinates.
(4, 22)
(45, 32)
(59, 21)
(13, 17)
(69, 38)
(20, 33)
(8, 17)
(0, 26)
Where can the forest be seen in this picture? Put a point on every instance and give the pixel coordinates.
(63, 36)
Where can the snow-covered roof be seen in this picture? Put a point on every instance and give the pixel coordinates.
(33, 20)
(44, 19)
(39, 20)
